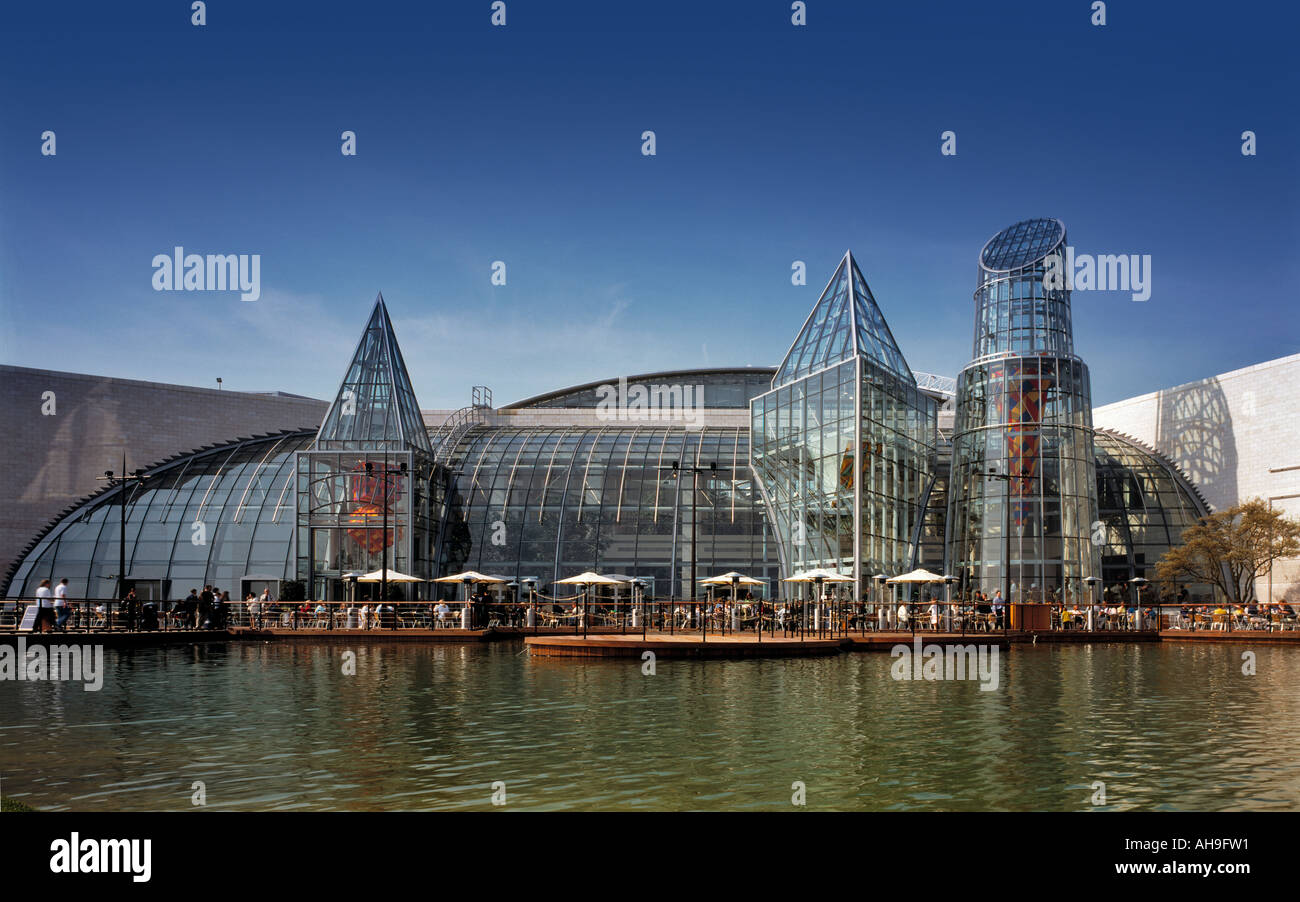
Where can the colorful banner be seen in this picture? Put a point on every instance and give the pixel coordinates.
(1026, 390)
(366, 492)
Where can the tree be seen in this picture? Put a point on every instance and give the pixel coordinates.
(1232, 549)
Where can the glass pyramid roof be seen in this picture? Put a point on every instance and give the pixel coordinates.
(845, 322)
(375, 408)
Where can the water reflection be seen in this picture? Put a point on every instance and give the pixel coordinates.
(280, 726)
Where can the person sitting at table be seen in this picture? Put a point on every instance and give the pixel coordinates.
(902, 616)
(443, 611)
(365, 616)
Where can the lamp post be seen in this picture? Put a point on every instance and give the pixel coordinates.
(138, 478)
(1092, 584)
(1137, 582)
(880, 598)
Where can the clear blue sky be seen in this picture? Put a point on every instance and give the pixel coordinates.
(522, 144)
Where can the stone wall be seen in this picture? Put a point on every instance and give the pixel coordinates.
(1236, 435)
(52, 460)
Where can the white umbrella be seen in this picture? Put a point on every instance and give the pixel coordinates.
(590, 579)
(467, 577)
(817, 575)
(377, 576)
(472, 576)
(735, 580)
(726, 579)
(585, 580)
(916, 576)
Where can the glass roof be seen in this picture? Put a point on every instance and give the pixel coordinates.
(375, 408)
(845, 322)
(1021, 244)
(241, 492)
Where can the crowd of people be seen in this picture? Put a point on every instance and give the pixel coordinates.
(210, 608)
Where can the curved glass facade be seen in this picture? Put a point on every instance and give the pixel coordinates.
(550, 503)
(238, 499)
(1014, 312)
(1023, 492)
(1145, 504)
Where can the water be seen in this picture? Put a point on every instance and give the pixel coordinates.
(279, 726)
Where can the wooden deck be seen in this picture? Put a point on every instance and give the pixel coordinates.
(678, 645)
(1237, 637)
(116, 639)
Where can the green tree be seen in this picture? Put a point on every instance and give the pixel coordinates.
(1232, 549)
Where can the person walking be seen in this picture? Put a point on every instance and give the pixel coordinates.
(200, 612)
(129, 605)
(62, 609)
(44, 607)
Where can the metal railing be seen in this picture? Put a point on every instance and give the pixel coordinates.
(706, 618)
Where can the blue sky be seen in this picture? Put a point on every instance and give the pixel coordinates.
(522, 144)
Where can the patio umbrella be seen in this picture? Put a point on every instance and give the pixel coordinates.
(393, 577)
(468, 577)
(920, 575)
(735, 580)
(586, 580)
(818, 576)
(916, 576)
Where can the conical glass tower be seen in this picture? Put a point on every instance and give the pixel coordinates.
(375, 406)
(366, 489)
(1024, 492)
(842, 446)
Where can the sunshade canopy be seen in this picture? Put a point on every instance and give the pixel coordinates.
(472, 576)
(377, 576)
(727, 579)
(590, 579)
(916, 576)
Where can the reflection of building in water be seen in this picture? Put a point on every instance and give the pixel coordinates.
(1236, 435)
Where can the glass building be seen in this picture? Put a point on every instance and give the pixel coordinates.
(853, 467)
(843, 442)
(1145, 503)
(220, 516)
(1023, 493)
(368, 492)
(550, 503)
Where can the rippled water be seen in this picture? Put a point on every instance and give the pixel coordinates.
(279, 726)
